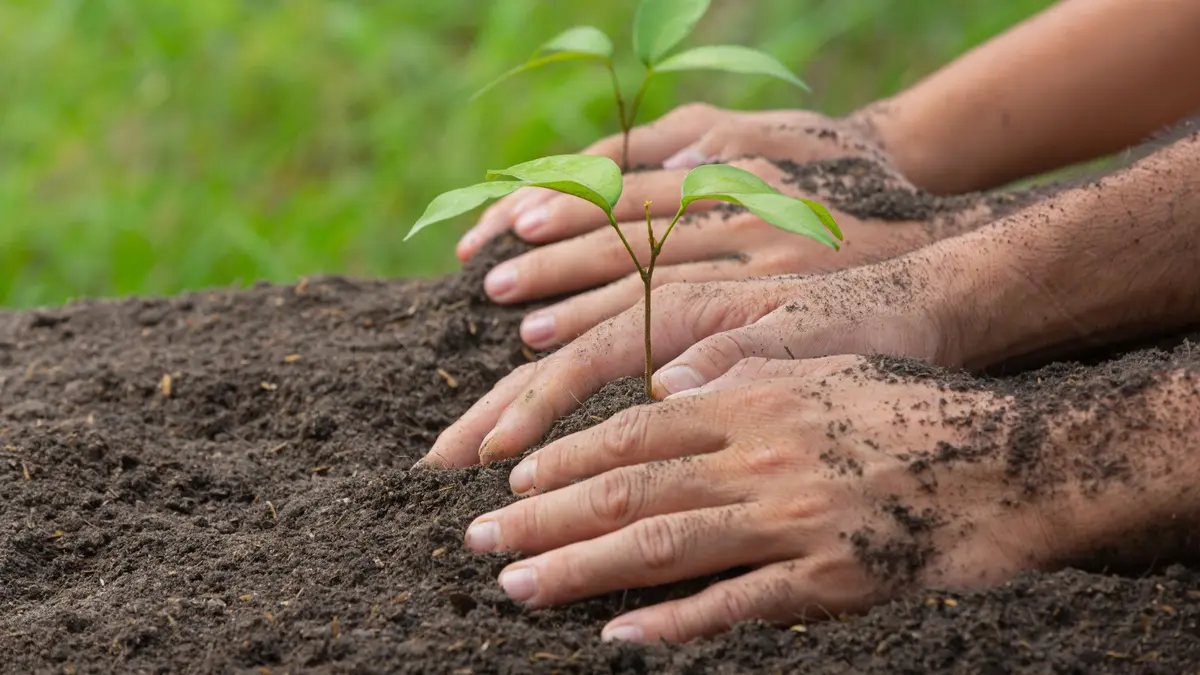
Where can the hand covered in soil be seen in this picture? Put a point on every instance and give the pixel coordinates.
(823, 478)
(893, 307)
(723, 243)
(583, 254)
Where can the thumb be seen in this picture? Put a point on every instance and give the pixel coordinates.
(749, 370)
(691, 157)
(718, 143)
(712, 357)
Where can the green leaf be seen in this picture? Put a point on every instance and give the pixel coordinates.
(721, 179)
(581, 42)
(737, 186)
(730, 58)
(786, 213)
(457, 202)
(659, 25)
(596, 179)
(825, 216)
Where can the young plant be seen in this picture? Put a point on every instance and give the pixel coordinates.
(598, 180)
(658, 27)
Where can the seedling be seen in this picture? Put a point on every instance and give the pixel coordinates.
(658, 27)
(598, 180)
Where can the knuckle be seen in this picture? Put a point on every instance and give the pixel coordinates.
(749, 367)
(658, 542)
(614, 497)
(727, 348)
(764, 458)
(694, 109)
(625, 432)
(732, 602)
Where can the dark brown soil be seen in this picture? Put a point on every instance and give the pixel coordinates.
(219, 482)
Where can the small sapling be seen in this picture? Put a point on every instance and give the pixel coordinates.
(598, 180)
(658, 27)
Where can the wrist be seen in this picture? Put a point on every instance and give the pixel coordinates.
(893, 125)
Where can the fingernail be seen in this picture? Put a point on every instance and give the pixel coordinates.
(500, 281)
(468, 240)
(684, 159)
(519, 584)
(538, 329)
(528, 223)
(485, 452)
(417, 465)
(483, 537)
(521, 478)
(679, 378)
(622, 634)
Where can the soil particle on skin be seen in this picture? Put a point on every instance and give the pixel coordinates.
(866, 189)
(218, 482)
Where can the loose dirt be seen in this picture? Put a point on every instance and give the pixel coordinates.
(219, 482)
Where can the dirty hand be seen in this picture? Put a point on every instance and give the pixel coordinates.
(714, 245)
(821, 477)
(895, 307)
(684, 138)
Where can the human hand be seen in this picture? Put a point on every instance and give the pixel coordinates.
(713, 245)
(822, 477)
(684, 138)
(894, 307)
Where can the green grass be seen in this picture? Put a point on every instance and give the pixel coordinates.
(151, 146)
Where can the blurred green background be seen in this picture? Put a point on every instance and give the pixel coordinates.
(151, 146)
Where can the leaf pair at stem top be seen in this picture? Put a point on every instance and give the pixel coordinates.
(599, 181)
(658, 27)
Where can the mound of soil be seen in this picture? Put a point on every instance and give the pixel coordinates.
(219, 482)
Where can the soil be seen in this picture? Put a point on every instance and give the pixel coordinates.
(219, 482)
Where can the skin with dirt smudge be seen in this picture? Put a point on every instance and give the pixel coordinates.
(1065, 272)
(947, 487)
(1046, 94)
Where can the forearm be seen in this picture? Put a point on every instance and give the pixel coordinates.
(1115, 259)
(1081, 80)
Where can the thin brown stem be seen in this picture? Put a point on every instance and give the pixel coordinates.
(626, 121)
(648, 282)
(678, 214)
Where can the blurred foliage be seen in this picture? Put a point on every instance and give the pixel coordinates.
(150, 146)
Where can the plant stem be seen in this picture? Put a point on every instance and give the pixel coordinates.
(626, 122)
(647, 281)
(627, 125)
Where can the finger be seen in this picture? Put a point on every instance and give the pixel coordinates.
(650, 552)
(713, 356)
(785, 592)
(757, 368)
(729, 138)
(633, 436)
(458, 445)
(565, 216)
(601, 257)
(567, 320)
(652, 143)
(683, 314)
(498, 218)
(602, 505)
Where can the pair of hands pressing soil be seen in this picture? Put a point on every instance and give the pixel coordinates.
(219, 482)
